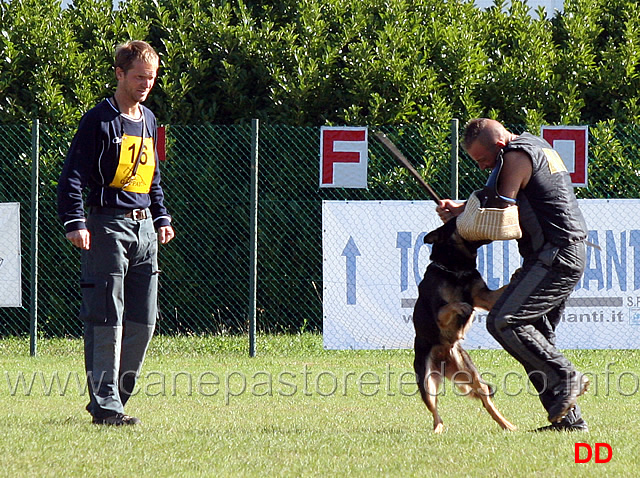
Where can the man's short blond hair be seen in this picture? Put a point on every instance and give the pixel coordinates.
(127, 53)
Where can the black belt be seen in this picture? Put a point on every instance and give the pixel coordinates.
(120, 213)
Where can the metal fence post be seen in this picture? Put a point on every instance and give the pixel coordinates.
(35, 178)
(454, 158)
(253, 251)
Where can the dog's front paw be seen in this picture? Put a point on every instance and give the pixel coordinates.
(454, 319)
(464, 313)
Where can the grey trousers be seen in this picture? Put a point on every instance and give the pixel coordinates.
(119, 307)
(525, 318)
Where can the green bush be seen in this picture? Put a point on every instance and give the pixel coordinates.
(318, 62)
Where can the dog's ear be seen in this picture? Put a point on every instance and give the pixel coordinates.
(432, 237)
(441, 234)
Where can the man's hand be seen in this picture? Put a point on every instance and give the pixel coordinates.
(80, 238)
(165, 234)
(448, 209)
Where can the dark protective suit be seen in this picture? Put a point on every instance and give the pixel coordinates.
(524, 319)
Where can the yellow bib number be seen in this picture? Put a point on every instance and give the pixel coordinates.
(129, 150)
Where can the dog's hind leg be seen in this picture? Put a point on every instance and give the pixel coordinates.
(478, 388)
(432, 385)
(428, 381)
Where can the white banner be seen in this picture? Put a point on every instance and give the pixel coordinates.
(374, 257)
(10, 263)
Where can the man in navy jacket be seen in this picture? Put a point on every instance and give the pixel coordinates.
(113, 156)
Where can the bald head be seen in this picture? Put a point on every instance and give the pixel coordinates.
(483, 140)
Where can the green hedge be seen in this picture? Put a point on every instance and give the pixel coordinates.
(317, 62)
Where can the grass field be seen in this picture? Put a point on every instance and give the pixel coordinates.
(298, 410)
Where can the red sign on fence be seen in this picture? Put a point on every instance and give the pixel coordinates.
(572, 144)
(343, 157)
(161, 147)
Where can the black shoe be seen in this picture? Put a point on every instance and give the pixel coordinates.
(567, 399)
(579, 426)
(118, 419)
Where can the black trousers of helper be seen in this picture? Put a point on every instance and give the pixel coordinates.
(525, 318)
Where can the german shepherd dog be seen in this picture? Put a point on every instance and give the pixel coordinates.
(447, 295)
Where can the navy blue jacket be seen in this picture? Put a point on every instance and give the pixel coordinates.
(92, 161)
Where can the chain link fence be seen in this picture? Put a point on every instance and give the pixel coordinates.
(206, 178)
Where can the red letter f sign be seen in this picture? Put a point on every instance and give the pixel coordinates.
(343, 157)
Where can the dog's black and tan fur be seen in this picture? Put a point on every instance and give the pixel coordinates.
(448, 293)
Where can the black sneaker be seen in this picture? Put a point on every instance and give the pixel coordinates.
(118, 419)
(568, 398)
(579, 426)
